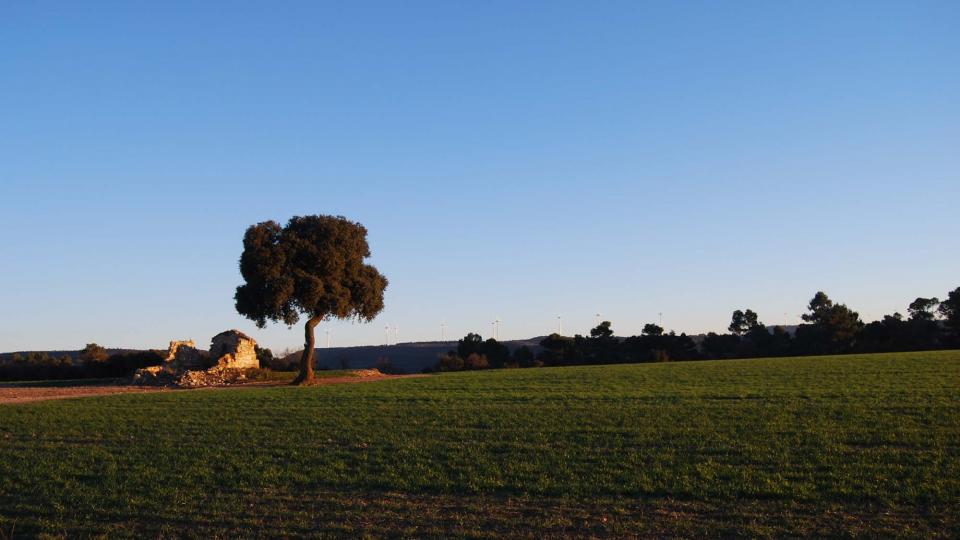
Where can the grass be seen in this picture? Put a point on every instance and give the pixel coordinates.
(839, 446)
(288, 376)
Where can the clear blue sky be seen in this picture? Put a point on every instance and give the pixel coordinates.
(519, 160)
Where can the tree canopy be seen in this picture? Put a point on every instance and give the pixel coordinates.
(93, 353)
(312, 267)
(923, 309)
(834, 327)
(743, 321)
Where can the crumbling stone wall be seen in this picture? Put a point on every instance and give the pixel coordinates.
(183, 355)
(234, 350)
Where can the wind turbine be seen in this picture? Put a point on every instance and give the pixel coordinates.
(386, 339)
(496, 329)
(396, 334)
(443, 331)
(559, 325)
(599, 319)
(328, 338)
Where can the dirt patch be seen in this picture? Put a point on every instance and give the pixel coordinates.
(367, 373)
(13, 394)
(40, 393)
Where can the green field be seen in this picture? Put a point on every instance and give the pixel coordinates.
(839, 446)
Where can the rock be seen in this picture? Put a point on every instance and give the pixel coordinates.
(184, 355)
(215, 376)
(154, 376)
(366, 373)
(234, 350)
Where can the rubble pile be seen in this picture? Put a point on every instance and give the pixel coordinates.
(231, 354)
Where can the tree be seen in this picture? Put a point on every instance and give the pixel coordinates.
(950, 310)
(264, 356)
(651, 329)
(558, 350)
(780, 342)
(742, 322)
(757, 341)
(523, 356)
(471, 343)
(93, 353)
(602, 346)
(496, 353)
(923, 309)
(602, 331)
(312, 267)
(450, 361)
(682, 347)
(834, 326)
(819, 306)
(720, 345)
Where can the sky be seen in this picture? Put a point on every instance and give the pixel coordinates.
(519, 161)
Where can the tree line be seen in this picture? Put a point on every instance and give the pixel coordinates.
(92, 362)
(828, 328)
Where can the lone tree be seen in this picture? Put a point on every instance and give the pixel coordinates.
(313, 267)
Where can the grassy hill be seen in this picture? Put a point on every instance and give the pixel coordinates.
(853, 445)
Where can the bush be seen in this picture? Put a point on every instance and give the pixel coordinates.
(476, 361)
(264, 357)
(660, 355)
(450, 361)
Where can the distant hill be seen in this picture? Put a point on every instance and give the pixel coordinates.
(406, 357)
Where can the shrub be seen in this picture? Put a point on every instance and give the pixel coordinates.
(264, 357)
(450, 361)
(476, 361)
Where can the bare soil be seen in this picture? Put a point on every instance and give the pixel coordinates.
(19, 394)
(42, 393)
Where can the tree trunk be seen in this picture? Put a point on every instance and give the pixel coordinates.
(306, 359)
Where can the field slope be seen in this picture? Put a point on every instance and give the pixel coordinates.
(853, 446)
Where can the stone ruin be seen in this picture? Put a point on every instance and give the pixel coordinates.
(234, 349)
(231, 353)
(183, 355)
